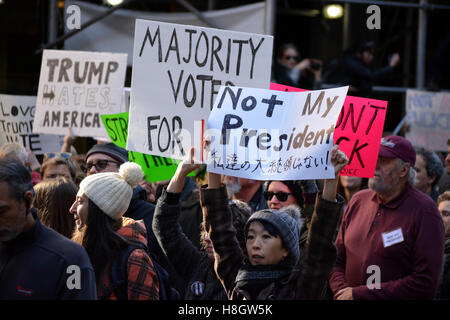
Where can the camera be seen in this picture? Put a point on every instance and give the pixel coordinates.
(315, 65)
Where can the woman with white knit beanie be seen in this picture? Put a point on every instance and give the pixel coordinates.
(101, 201)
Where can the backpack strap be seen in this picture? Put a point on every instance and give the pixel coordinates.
(118, 275)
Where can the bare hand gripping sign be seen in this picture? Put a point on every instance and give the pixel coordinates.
(263, 134)
(177, 72)
(75, 87)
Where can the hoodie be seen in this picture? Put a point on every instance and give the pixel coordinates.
(142, 279)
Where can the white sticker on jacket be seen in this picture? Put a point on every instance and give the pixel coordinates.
(392, 237)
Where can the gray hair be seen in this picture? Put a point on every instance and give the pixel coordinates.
(411, 178)
(433, 164)
(14, 150)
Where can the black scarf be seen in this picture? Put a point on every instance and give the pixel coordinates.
(253, 279)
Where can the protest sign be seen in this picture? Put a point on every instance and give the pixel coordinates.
(428, 117)
(75, 87)
(16, 125)
(155, 168)
(358, 132)
(263, 135)
(177, 72)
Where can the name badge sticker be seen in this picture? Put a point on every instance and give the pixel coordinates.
(392, 237)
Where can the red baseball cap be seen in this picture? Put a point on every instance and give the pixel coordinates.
(397, 147)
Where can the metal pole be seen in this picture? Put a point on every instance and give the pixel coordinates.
(200, 15)
(421, 45)
(269, 25)
(346, 27)
(394, 4)
(84, 26)
(52, 31)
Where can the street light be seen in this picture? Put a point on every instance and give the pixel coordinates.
(333, 11)
(113, 3)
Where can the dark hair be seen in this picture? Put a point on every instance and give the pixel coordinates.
(285, 47)
(364, 45)
(294, 186)
(270, 228)
(53, 199)
(100, 240)
(17, 177)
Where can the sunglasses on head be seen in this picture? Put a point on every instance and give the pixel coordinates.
(281, 196)
(49, 155)
(100, 165)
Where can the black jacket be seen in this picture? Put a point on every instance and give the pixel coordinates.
(196, 269)
(36, 266)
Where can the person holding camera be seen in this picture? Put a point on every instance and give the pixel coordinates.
(290, 71)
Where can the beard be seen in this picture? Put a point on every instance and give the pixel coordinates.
(78, 235)
(384, 185)
(233, 188)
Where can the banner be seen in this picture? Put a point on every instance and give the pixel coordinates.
(263, 135)
(16, 125)
(177, 72)
(75, 87)
(115, 32)
(358, 132)
(428, 117)
(155, 168)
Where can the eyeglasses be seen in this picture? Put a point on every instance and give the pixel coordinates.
(49, 155)
(281, 196)
(291, 58)
(100, 165)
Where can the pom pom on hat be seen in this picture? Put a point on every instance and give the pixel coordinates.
(112, 191)
(132, 173)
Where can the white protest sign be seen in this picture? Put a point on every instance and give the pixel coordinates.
(428, 117)
(16, 125)
(177, 72)
(75, 87)
(269, 135)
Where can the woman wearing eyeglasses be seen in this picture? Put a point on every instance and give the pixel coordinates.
(272, 244)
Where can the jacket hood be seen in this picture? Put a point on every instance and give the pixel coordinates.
(133, 231)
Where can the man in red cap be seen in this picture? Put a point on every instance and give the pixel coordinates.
(391, 240)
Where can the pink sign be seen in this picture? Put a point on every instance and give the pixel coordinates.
(358, 132)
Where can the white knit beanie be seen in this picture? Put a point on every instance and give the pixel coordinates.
(112, 191)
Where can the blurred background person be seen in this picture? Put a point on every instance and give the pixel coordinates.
(53, 199)
(444, 209)
(289, 70)
(348, 186)
(429, 170)
(356, 69)
(58, 164)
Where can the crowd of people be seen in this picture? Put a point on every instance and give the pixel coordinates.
(89, 227)
(94, 229)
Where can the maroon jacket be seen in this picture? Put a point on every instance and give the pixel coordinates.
(408, 269)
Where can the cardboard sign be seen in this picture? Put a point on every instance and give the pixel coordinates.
(16, 125)
(177, 72)
(358, 132)
(75, 87)
(263, 135)
(155, 168)
(428, 117)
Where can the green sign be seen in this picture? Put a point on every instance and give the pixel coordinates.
(155, 168)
